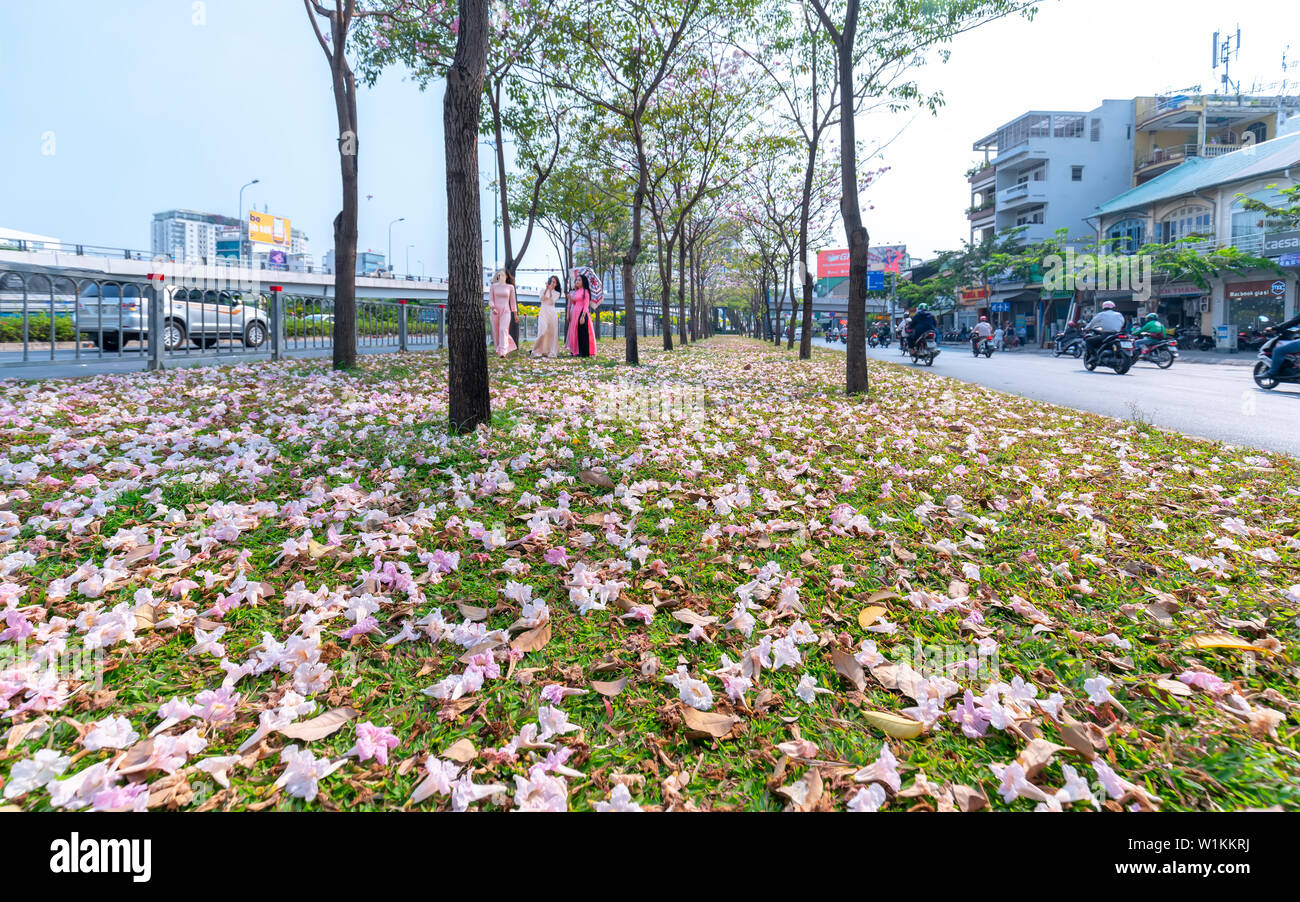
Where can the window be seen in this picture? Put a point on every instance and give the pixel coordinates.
(1068, 126)
(1255, 134)
(1249, 227)
(1096, 130)
(1031, 217)
(1185, 221)
(1076, 173)
(1128, 236)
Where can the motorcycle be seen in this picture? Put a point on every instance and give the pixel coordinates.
(872, 340)
(925, 349)
(982, 345)
(1191, 339)
(1069, 343)
(1115, 350)
(1290, 370)
(1162, 353)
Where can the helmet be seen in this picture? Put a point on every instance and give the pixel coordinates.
(1108, 305)
(1152, 317)
(920, 308)
(984, 319)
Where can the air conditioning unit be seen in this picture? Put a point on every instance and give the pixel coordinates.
(1205, 305)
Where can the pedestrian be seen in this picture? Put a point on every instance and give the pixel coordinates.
(999, 336)
(547, 343)
(504, 305)
(582, 332)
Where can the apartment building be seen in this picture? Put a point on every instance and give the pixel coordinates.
(1173, 128)
(1203, 197)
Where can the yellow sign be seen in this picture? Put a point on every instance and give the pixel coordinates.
(264, 228)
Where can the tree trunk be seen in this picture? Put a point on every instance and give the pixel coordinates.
(345, 224)
(806, 287)
(470, 401)
(855, 357)
(681, 289)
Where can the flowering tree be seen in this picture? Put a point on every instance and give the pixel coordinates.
(621, 74)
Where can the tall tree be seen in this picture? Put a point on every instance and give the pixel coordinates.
(470, 402)
(332, 26)
(876, 48)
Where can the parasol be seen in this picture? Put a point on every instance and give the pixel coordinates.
(597, 290)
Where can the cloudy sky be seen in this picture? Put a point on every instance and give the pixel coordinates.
(116, 111)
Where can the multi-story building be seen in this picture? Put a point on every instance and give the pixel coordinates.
(1048, 171)
(187, 236)
(369, 263)
(1044, 171)
(1204, 197)
(1173, 128)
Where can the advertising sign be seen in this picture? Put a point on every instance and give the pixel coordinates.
(1278, 243)
(1289, 260)
(264, 228)
(833, 264)
(890, 258)
(276, 260)
(971, 297)
(1249, 291)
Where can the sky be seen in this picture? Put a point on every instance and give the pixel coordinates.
(113, 112)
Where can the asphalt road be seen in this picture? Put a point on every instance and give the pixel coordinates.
(1208, 401)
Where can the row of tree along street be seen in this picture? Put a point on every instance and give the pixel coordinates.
(700, 147)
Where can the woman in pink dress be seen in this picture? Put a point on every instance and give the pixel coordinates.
(582, 331)
(502, 297)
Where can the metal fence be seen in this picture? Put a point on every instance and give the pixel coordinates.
(51, 315)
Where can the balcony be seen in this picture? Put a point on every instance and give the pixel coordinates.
(1162, 159)
(983, 175)
(1022, 195)
(986, 211)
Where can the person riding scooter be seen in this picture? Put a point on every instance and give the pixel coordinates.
(1151, 332)
(1101, 327)
(983, 332)
(922, 324)
(1283, 348)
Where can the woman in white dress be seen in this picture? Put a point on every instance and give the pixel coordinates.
(547, 343)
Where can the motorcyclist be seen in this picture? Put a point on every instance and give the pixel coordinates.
(1152, 331)
(982, 331)
(1283, 348)
(1106, 323)
(923, 322)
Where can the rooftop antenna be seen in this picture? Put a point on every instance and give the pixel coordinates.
(1224, 53)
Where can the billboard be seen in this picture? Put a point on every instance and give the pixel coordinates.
(888, 258)
(264, 228)
(833, 264)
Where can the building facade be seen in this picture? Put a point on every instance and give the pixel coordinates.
(187, 236)
(1173, 128)
(1203, 198)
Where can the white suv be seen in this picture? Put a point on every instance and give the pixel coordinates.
(112, 315)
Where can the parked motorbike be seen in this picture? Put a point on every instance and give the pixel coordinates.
(1068, 343)
(1162, 353)
(1192, 339)
(1114, 350)
(926, 349)
(981, 345)
(1290, 370)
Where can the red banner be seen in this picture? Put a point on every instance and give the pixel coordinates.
(833, 264)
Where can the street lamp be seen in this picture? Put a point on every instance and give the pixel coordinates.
(390, 242)
(243, 227)
(408, 260)
(496, 205)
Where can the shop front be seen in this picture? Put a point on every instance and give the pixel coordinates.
(1253, 307)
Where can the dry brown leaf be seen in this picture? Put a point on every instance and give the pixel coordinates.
(609, 689)
(1175, 687)
(882, 595)
(805, 792)
(461, 751)
(597, 479)
(707, 723)
(848, 667)
(686, 615)
(1224, 640)
(969, 799)
(533, 640)
(868, 616)
(1037, 755)
(895, 725)
(471, 612)
(321, 725)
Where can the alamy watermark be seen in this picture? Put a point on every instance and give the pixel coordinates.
(676, 403)
(1099, 272)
